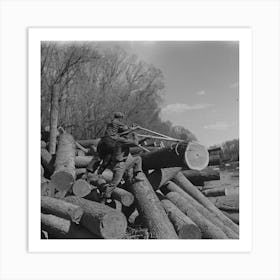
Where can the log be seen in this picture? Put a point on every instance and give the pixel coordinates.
(59, 228)
(191, 156)
(234, 216)
(227, 203)
(188, 187)
(214, 192)
(80, 171)
(126, 198)
(208, 229)
(82, 161)
(151, 211)
(172, 187)
(80, 153)
(157, 178)
(101, 220)
(64, 174)
(81, 188)
(198, 178)
(43, 144)
(46, 161)
(184, 226)
(62, 209)
(89, 142)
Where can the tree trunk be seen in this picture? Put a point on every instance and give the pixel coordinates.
(227, 203)
(126, 198)
(199, 177)
(46, 161)
(172, 187)
(53, 119)
(151, 211)
(61, 209)
(82, 161)
(214, 192)
(184, 226)
(89, 142)
(100, 219)
(188, 187)
(59, 228)
(82, 188)
(159, 177)
(191, 156)
(208, 229)
(234, 216)
(64, 174)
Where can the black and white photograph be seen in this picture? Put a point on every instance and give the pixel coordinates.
(140, 139)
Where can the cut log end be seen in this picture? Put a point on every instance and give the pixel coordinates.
(62, 180)
(113, 226)
(196, 156)
(82, 188)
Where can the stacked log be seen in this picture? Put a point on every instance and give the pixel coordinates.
(182, 211)
(151, 211)
(59, 228)
(64, 174)
(188, 155)
(101, 220)
(188, 187)
(198, 178)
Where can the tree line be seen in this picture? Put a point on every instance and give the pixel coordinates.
(82, 84)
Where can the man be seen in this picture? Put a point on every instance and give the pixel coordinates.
(114, 150)
(121, 162)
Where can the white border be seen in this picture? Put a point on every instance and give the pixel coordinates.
(243, 35)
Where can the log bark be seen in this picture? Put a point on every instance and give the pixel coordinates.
(89, 142)
(43, 144)
(126, 198)
(208, 229)
(190, 156)
(47, 162)
(184, 226)
(188, 187)
(53, 119)
(227, 203)
(172, 187)
(59, 228)
(82, 188)
(198, 178)
(151, 211)
(80, 171)
(82, 161)
(214, 192)
(61, 209)
(101, 220)
(234, 216)
(158, 178)
(64, 174)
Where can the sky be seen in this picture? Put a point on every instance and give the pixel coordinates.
(201, 85)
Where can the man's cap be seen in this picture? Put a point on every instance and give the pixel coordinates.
(118, 115)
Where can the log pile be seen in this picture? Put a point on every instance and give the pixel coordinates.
(166, 204)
